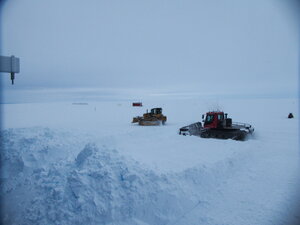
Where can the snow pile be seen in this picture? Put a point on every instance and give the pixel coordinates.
(43, 185)
(96, 187)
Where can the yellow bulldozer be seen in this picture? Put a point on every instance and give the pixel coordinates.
(152, 118)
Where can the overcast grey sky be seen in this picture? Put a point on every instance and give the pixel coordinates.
(232, 45)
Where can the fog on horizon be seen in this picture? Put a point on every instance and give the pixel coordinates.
(222, 46)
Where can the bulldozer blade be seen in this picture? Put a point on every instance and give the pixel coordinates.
(150, 123)
(192, 129)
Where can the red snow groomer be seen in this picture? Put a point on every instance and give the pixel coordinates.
(217, 125)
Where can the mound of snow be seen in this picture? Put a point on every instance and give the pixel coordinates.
(97, 187)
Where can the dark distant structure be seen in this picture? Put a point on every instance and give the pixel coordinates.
(10, 64)
(137, 104)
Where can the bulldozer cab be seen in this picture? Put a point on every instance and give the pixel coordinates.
(156, 111)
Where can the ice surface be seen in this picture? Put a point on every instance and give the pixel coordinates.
(87, 164)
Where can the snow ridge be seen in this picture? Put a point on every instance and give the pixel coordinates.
(55, 177)
(97, 187)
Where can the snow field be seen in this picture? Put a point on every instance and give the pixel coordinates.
(86, 164)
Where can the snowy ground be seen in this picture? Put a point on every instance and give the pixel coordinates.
(65, 163)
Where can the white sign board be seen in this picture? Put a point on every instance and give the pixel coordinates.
(9, 64)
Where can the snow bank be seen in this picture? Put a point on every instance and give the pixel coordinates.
(96, 187)
(44, 185)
